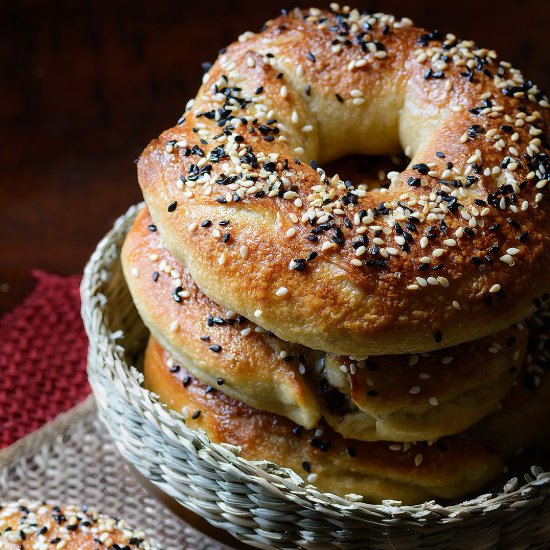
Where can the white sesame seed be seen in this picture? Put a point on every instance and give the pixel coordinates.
(438, 252)
(513, 251)
(414, 390)
(356, 93)
(250, 62)
(291, 232)
(174, 325)
(246, 331)
(413, 360)
(312, 478)
(307, 128)
(244, 252)
(281, 291)
(507, 259)
(421, 281)
(284, 91)
(135, 272)
(456, 305)
(258, 313)
(494, 288)
(449, 242)
(418, 459)
(433, 401)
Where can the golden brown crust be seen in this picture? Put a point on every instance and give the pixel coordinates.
(374, 470)
(67, 527)
(398, 398)
(419, 397)
(479, 224)
(523, 417)
(256, 368)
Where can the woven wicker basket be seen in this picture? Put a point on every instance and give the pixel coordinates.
(258, 502)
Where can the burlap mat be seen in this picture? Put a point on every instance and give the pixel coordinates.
(72, 460)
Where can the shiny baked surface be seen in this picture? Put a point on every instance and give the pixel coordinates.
(377, 470)
(453, 250)
(26, 525)
(399, 398)
(447, 468)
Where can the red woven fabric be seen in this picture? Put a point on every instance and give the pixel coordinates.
(42, 357)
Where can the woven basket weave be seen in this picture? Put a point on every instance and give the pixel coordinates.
(258, 502)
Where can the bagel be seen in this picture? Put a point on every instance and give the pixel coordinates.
(399, 398)
(26, 525)
(454, 249)
(410, 472)
(332, 463)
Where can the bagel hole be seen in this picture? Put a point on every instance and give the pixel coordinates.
(371, 170)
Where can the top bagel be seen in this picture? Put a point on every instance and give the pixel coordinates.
(455, 248)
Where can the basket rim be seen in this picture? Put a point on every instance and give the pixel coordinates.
(284, 482)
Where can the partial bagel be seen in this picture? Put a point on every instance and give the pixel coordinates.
(398, 398)
(456, 248)
(26, 525)
(411, 472)
(378, 470)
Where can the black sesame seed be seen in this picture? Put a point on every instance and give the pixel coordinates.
(152, 227)
(219, 381)
(514, 223)
(187, 380)
(351, 452)
(306, 466)
(421, 168)
(311, 256)
(196, 414)
(155, 276)
(215, 348)
(299, 264)
(297, 430)
(438, 336)
(205, 338)
(206, 223)
(172, 206)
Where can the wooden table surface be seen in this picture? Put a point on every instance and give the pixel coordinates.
(84, 86)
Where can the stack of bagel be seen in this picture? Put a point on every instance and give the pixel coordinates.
(385, 339)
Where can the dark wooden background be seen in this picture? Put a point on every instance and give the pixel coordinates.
(85, 84)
